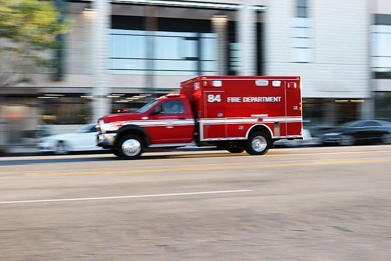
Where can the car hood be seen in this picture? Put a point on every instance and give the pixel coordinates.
(61, 136)
(335, 131)
(122, 117)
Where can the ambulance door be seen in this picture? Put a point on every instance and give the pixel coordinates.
(213, 122)
(293, 107)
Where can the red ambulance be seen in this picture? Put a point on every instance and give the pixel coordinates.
(235, 113)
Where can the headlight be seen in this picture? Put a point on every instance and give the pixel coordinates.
(112, 126)
(333, 134)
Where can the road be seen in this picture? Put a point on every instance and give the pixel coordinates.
(325, 203)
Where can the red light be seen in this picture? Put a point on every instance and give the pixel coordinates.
(208, 84)
(291, 85)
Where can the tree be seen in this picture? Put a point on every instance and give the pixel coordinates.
(29, 29)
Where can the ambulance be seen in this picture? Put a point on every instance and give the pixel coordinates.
(234, 113)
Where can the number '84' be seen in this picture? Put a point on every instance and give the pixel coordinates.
(214, 98)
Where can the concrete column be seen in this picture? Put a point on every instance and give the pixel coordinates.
(367, 109)
(101, 25)
(247, 37)
(329, 112)
(219, 25)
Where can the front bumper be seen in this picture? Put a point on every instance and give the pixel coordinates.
(331, 139)
(46, 146)
(106, 140)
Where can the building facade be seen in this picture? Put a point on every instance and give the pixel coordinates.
(121, 53)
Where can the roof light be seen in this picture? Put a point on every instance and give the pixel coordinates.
(291, 85)
(261, 82)
(276, 83)
(213, 83)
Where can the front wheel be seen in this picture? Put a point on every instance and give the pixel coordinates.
(130, 147)
(258, 143)
(61, 148)
(347, 140)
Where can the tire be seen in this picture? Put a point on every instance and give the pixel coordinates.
(235, 149)
(258, 143)
(347, 140)
(130, 147)
(385, 138)
(62, 148)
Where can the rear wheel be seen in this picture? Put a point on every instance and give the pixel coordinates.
(130, 147)
(61, 148)
(258, 143)
(386, 138)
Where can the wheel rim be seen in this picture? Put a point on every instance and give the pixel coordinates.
(131, 147)
(61, 148)
(347, 140)
(386, 138)
(259, 143)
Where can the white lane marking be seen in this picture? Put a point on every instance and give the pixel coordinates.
(123, 197)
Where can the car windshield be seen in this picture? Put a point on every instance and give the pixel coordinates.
(85, 128)
(147, 106)
(351, 124)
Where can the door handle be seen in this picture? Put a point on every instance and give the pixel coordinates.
(181, 118)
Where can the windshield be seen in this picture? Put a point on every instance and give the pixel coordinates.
(351, 124)
(147, 106)
(86, 128)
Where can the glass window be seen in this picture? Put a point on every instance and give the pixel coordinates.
(128, 46)
(301, 32)
(302, 42)
(383, 105)
(302, 55)
(127, 64)
(382, 19)
(167, 47)
(208, 49)
(174, 65)
(67, 110)
(381, 44)
(172, 107)
(173, 53)
(371, 124)
(381, 51)
(301, 10)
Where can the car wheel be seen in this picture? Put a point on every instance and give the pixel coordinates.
(347, 140)
(386, 138)
(61, 148)
(258, 143)
(235, 149)
(130, 147)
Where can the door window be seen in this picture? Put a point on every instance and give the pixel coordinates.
(172, 107)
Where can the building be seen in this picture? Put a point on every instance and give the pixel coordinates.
(121, 53)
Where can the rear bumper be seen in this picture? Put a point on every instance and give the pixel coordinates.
(106, 140)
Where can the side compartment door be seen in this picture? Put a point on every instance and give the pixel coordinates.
(213, 123)
(293, 107)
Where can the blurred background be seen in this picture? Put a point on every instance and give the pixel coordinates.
(64, 63)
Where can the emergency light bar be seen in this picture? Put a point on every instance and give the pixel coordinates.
(213, 83)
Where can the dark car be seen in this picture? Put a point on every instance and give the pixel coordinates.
(359, 132)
